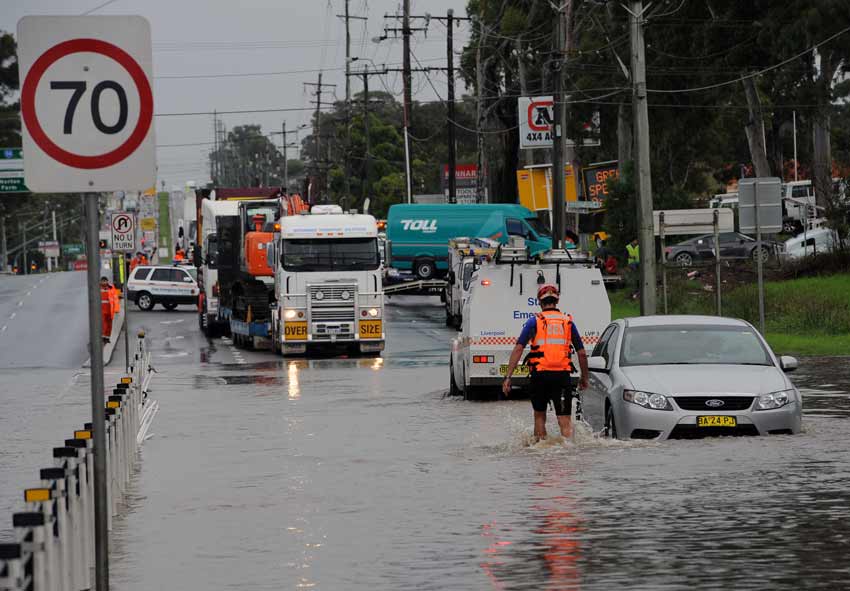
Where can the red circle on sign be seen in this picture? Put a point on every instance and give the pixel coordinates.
(57, 52)
(118, 218)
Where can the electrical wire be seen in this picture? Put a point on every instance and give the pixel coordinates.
(96, 8)
(753, 74)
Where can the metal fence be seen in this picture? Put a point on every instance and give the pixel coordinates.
(54, 547)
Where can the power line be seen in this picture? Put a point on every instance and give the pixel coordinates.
(96, 8)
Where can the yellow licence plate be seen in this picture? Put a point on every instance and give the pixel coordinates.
(519, 371)
(295, 331)
(370, 329)
(716, 421)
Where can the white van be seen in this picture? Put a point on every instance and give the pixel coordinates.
(169, 286)
(810, 243)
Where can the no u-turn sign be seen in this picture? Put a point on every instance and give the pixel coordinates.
(86, 103)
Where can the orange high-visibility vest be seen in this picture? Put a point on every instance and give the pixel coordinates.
(550, 350)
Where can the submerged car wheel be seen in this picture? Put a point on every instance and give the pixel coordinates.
(145, 301)
(684, 259)
(610, 423)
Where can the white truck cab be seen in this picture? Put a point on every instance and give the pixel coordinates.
(208, 303)
(328, 286)
(502, 296)
(464, 255)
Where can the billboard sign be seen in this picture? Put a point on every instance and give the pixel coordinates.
(536, 115)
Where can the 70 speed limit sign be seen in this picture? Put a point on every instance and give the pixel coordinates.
(86, 103)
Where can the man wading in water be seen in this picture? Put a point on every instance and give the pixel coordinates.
(551, 333)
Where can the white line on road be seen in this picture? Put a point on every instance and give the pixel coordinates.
(4, 328)
(171, 321)
(21, 303)
(29, 293)
(12, 315)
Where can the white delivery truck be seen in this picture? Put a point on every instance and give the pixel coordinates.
(209, 319)
(502, 296)
(464, 255)
(328, 287)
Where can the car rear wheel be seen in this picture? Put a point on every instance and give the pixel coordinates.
(610, 423)
(145, 301)
(684, 259)
(765, 254)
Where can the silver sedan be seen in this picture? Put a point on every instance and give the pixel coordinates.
(660, 377)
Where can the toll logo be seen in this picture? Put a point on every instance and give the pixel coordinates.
(424, 226)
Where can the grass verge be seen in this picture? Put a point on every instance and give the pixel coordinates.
(808, 316)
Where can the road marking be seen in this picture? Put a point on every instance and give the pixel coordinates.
(21, 303)
(12, 315)
(4, 328)
(171, 321)
(29, 293)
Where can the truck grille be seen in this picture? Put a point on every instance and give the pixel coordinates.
(332, 295)
(332, 314)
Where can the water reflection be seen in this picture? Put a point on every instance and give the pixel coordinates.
(294, 387)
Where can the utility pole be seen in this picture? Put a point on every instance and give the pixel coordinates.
(3, 248)
(214, 157)
(450, 105)
(367, 164)
(405, 31)
(286, 158)
(558, 226)
(348, 61)
(646, 233)
(26, 264)
(317, 133)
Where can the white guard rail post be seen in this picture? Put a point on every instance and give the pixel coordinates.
(54, 549)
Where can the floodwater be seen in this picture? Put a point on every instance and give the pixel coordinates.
(361, 474)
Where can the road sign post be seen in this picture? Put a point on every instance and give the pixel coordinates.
(760, 210)
(87, 112)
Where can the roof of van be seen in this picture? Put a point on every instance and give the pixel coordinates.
(407, 208)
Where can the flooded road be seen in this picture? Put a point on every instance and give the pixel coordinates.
(265, 473)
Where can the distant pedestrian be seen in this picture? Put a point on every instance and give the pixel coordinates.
(106, 308)
(552, 335)
(633, 252)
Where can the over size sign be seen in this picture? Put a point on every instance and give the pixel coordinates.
(86, 103)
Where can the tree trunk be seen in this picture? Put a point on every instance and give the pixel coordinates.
(755, 129)
(524, 157)
(822, 159)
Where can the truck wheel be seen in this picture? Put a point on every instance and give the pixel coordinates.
(453, 389)
(144, 301)
(424, 269)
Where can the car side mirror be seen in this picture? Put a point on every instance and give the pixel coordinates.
(788, 363)
(597, 364)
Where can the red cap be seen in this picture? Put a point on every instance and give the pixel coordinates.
(547, 288)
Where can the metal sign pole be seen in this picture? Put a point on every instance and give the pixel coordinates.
(759, 265)
(97, 399)
(124, 279)
(663, 259)
(717, 257)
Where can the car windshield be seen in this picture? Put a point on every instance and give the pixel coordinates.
(539, 227)
(692, 345)
(340, 254)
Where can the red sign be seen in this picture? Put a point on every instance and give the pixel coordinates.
(540, 115)
(35, 129)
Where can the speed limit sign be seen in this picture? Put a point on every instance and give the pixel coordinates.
(86, 103)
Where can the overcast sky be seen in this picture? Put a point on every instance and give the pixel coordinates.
(216, 37)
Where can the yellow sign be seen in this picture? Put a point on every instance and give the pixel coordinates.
(295, 331)
(535, 187)
(371, 329)
(82, 434)
(716, 421)
(126, 380)
(113, 404)
(34, 495)
(147, 224)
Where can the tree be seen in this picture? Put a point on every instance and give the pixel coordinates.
(10, 121)
(247, 158)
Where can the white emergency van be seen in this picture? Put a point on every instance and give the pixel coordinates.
(502, 296)
(328, 286)
(148, 286)
(209, 319)
(464, 255)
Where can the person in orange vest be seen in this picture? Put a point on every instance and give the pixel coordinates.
(552, 335)
(116, 300)
(178, 254)
(106, 307)
(143, 258)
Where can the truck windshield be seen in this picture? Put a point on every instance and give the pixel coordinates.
(539, 227)
(341, 254)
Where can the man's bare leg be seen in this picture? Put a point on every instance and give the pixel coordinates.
(540, 425)
(566, 424)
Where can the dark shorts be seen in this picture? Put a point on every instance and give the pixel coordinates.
(554, 386)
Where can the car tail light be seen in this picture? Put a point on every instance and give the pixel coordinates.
(483, 359)
(485, 282)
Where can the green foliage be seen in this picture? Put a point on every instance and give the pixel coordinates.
(248, 158)
(620, 214)
(10, 122)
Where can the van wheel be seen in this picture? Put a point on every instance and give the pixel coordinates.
(424, 269)
(453, 389)
(144, 301)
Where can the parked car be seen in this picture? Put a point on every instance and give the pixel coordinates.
(169, 286)
(733, 245)
(660, 377)
(809, 243)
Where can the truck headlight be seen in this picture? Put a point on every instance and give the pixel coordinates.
(647, 399)
(373, 312)
(774, 400)
(289, 314)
